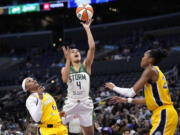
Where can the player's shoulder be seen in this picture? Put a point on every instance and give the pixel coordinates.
(48, 94)
(156, 69)
(62, 69)
(148, 72)
(32, 97)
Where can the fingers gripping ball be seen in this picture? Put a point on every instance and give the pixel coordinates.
(84, 12)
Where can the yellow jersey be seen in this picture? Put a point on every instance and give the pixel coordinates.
(157, 94)
(50, 113)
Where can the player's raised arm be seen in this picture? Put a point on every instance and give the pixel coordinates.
(65, 70)
(131, 92)
(90, 55)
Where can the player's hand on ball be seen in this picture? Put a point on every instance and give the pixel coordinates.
(87, 24)
(110, 85)
(40, 92)
(66, 52)
(118, 100)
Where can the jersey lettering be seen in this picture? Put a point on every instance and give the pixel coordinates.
(75, 77)
(49, 100)
(165, 85)
(77, 92)
(53, 107)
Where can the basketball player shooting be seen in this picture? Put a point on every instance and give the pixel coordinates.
(77, 77)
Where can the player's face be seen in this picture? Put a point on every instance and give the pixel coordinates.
(75, 55)
(31, 84)
(146, 60)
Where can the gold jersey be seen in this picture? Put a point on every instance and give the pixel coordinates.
(50, 113)
(157, 94)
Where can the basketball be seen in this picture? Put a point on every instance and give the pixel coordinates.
(84, 12)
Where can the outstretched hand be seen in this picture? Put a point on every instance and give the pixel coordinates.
(87, 24)
(118, 100)
(66, 52)
(110, 85)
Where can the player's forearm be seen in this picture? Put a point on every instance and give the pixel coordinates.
(128, 92)
(66, 71)
(91, 42)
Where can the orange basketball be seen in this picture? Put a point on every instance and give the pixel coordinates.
(84, 12)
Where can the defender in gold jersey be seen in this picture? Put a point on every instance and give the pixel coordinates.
(157, 96)
(43, 109)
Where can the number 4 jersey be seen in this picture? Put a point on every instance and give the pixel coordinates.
(157, 94)
(78, 83)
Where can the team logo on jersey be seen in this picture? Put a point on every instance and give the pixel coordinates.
(165, 85)
(48, 100)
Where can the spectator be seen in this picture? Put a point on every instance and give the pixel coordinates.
(126, 131)
(172, 82)
(116, 129)
(106, 131)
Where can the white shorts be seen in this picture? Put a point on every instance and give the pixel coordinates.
(81, 108)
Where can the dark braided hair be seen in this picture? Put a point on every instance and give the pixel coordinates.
(158, 55)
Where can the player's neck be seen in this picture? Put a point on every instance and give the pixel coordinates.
(148, 66)
(76, 65)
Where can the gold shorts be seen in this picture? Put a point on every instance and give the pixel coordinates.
(56, 130)
(164, 120)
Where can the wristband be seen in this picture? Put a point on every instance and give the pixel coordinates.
(129, 100)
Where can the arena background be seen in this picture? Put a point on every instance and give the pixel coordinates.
(31, 41)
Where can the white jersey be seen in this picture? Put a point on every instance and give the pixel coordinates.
(78, 83)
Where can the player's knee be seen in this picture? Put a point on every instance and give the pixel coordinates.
(88, 130)
(91, 131)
